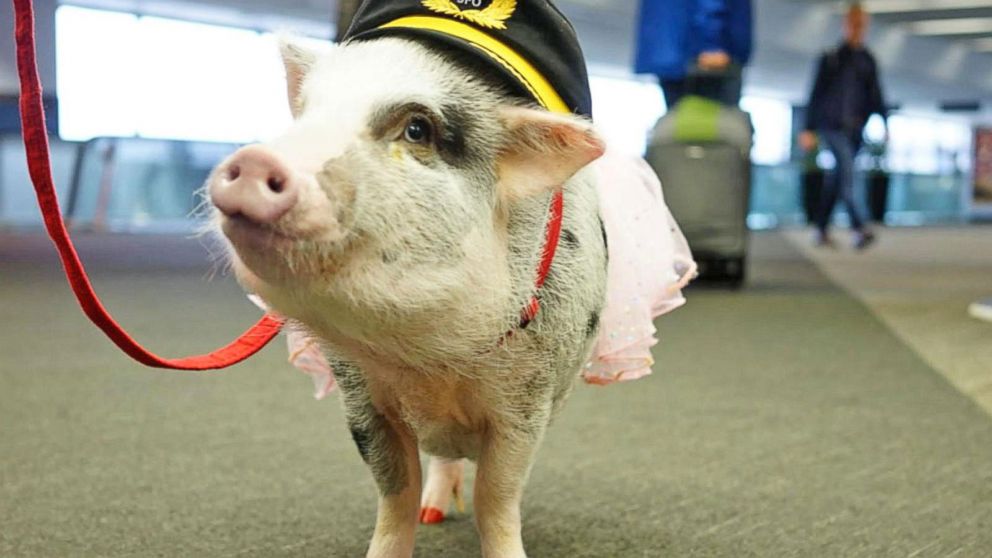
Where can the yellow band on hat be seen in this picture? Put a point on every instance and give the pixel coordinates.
(529, 76)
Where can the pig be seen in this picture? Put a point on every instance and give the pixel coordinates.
(400, 222)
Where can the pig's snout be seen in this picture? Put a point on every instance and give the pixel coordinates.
(255, 183)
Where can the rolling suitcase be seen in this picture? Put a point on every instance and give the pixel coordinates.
(701, 152)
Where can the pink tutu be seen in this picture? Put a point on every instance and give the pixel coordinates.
(649, 265)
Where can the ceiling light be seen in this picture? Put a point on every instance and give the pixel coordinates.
(960, 26)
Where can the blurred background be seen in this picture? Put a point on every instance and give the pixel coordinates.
(139, 127)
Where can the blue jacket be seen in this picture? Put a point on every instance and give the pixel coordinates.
(672, 33)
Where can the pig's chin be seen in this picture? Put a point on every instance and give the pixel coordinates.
(250, 238)
(275, 255)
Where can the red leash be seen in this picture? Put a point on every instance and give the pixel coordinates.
(36, 143)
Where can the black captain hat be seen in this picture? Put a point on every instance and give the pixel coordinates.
(529, 42)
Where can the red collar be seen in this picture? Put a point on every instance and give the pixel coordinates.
(553, 234)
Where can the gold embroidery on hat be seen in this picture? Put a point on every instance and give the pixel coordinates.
(494, 16)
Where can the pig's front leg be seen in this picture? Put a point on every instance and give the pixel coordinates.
(390, 450)
(504, 464)
(398, 477)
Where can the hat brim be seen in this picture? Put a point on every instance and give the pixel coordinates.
(514, 83)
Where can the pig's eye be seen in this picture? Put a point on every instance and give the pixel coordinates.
(418, 130)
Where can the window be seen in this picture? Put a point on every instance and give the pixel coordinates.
(95, 98)
(625, 111)
(929, 145)
(772, 121)
(126, 75)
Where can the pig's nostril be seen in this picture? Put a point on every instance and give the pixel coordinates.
(276, 184)
(233, 172)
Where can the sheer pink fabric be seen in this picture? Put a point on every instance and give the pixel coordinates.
(649, 264)
(305, 354)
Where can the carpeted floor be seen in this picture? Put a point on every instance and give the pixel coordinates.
(920, 282)
(784, 420)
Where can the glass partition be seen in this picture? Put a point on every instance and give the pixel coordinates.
(129, 184)
(914, 199)
(920, 199)
(775, 196)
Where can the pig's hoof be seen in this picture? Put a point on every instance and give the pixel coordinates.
(431, 516)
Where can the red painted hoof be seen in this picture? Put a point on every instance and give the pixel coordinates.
(431, 516)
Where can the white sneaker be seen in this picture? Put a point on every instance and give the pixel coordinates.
(981, 310)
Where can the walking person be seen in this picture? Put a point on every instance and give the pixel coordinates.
(679, 36)
(846, 92)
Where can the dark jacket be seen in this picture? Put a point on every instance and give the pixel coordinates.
(846, 91)
(673, 33)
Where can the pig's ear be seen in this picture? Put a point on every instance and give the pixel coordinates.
(298, 61)
(543, 150)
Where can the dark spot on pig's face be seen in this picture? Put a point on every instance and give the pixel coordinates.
(429, 134)
(456, 147)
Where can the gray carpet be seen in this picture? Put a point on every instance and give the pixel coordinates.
(784, 420)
